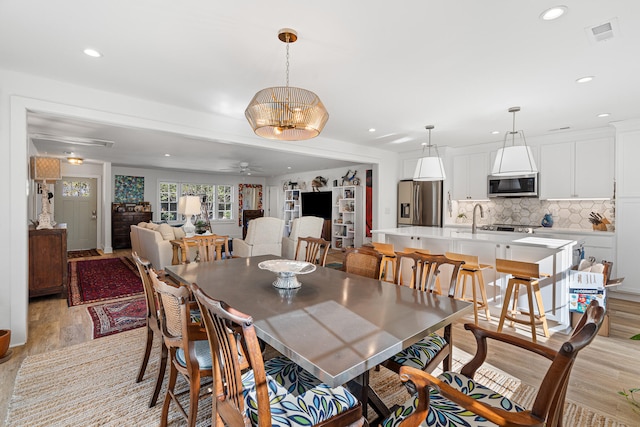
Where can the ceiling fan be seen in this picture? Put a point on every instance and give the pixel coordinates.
(243, 168)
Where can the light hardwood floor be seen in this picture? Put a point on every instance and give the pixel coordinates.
(607, 366)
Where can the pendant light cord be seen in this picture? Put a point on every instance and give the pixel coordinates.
(287, 41)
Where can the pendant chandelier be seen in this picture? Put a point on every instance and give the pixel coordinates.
(286, 113)
(429, 168)
(514, 159)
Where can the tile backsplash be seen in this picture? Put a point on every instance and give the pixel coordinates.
(530, 211)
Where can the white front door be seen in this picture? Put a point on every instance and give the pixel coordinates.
(76, 205)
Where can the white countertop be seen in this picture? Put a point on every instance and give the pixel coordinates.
(546, 230)
(489, 237)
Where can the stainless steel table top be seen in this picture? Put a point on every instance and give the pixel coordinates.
(336, 325)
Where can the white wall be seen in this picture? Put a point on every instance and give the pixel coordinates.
(20, 93)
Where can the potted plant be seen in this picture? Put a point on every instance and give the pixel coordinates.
(201, 226)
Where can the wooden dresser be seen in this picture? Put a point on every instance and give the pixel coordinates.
(121, 223)
(48, 261)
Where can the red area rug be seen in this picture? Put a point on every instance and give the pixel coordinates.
(101, 280)
(109, 319)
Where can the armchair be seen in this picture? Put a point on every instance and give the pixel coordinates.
(306, 226)
(264, 237)
(458, 398)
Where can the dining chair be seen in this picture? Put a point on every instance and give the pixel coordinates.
(272, 392)
(313, 250)
(205, 248)
(188, 348)
(456, 397)
(153, 327)
(427, 353)
(363, 262)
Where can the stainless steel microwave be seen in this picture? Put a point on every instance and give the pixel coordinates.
(513, 186)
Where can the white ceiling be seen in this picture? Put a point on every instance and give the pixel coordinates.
(392, 66)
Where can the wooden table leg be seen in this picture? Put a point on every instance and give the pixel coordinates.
(174, 259)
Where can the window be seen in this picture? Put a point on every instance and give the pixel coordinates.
(76, 189)
(168, 201)
(224, 202)
(218, 199)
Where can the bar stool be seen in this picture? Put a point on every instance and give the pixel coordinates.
(388, 258)
(472, 269)
(523, 274)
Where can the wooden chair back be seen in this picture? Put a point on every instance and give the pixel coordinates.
(224, 241)
(205, 247)
(143, 267)
(231, 334)
(385, 249)
(519, 269)
(425, 271)
(471, 262)
(363, 262)
(315, 250)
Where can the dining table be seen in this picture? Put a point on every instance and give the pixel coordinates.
(336, 325)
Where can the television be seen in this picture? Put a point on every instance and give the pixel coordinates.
(317, 203)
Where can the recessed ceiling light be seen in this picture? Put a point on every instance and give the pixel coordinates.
(372, 129)
(495, 132)
(604, 115)
(553, 13)
(167, 155)
(288, 167)
(585, 79)
(92, 53)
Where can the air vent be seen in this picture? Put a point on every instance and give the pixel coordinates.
(560, 129)
(603, 32)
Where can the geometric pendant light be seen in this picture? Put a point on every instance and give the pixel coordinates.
(286, 113)
(514, 159)
(429, 168)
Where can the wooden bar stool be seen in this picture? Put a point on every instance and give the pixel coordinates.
(388, 259)
(525, 274)
(472, 269)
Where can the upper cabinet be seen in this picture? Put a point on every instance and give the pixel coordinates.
(470, 173)
(581, 170)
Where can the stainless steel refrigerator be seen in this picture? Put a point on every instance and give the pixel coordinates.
(420, 203)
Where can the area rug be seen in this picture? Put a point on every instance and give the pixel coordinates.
(101, 279)
(111, 318)
(93, 383)
(84, 253)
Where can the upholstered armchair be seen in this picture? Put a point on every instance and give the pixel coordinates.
(264, 237)
(306, 226)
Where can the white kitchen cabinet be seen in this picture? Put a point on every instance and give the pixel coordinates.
(470, 173)
(627, 214)
(577, 170)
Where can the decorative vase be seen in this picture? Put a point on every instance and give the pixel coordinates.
(5, 339)
(547, 221)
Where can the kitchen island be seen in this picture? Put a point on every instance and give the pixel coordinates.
(555, 257)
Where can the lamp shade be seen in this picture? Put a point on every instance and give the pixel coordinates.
(286, 113)
(429, 169)
(514, 160)
(45, 168)
(189, 205)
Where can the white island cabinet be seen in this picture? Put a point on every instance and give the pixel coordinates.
(555, 257)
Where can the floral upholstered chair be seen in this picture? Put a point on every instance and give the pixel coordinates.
(454, 399)
(273, 393)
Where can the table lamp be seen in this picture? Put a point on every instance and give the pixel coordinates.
(188, 206)
(45, 169)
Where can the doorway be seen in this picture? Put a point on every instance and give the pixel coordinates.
(76, 205)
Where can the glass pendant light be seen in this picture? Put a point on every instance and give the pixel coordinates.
(429, 168)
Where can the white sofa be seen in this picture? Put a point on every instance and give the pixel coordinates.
(264, 237)
(306, 226)
(153, 242)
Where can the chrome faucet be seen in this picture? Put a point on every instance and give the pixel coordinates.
(473, 226)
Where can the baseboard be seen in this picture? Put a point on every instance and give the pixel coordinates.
(627, 296)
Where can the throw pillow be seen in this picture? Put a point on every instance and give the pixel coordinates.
(152, 226)
(142, 224)
(166, 231)
(178, 232)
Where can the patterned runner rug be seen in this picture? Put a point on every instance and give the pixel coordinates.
(101, 280)
(109, 319)
(93, 383)
(84, 253)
